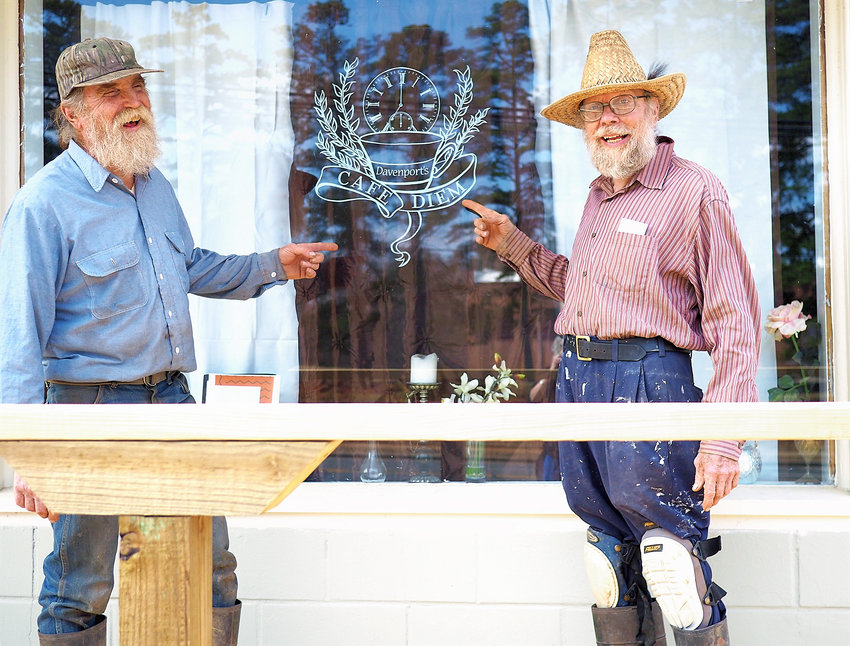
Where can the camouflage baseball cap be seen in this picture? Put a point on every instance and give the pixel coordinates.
(95, 61)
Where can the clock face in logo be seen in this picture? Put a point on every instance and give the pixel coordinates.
(401, 99)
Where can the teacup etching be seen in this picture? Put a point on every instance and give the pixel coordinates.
(402, 159)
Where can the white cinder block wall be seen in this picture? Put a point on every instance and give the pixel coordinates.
(412, 575)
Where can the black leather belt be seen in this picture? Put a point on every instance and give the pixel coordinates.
(149, 380)
(631, 349)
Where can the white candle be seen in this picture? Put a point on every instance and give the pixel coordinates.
(423, 369)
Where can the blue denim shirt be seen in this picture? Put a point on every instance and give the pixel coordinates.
(94, 279)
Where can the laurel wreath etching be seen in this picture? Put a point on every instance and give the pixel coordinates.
(340, 143)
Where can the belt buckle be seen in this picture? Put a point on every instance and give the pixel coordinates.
(578, 353)
(148, 380)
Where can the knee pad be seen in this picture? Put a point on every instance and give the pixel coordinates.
(606, 568)
(673, 572)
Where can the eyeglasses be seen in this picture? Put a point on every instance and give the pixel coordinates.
(620, 105)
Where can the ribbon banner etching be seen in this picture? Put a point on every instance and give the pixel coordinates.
(401, 165)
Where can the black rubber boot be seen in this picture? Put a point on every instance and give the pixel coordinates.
(714, 635)
(225, 625)
(94, 636)
(621, 626)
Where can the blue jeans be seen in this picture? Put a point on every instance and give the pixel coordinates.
(78, 573)
(622, 488)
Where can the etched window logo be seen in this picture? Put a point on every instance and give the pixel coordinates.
(404, 164)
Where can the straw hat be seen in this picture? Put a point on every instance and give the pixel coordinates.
(610, 67)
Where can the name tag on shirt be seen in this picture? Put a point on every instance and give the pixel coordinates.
(632, 226)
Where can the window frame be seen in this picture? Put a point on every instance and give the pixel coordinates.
(835, 31)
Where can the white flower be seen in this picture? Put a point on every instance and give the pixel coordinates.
(465, 390)
(495, 388)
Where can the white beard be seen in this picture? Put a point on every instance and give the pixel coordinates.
(622, 163)
(119, 151)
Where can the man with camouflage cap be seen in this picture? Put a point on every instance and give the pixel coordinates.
(97, 260)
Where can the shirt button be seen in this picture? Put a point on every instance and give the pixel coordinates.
(579, 312)
(593, 235)
(584, 273)
(176, 350)
(150, 240)
(170, 313)
(114, 180)
(160, 276)
(274, 274)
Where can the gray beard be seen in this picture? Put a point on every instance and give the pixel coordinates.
(626, 162)
(121, 152)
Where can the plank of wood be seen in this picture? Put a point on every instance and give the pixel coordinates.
(165, 581)
(509, 422)
(164, 478)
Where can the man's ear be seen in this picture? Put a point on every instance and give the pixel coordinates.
(72, 117)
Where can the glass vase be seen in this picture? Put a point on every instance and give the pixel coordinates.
(475, 470)
(749, 463)
(373, 468)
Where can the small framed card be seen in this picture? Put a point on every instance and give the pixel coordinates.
(241, 389)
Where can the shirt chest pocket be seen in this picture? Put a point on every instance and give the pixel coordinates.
(627, 262)
(114, 280)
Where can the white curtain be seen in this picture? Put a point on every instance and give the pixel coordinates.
(222, 109)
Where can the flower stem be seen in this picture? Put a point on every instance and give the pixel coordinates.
(802, 372)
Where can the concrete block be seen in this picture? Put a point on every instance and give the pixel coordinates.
(577, 626)
(757, 568)
(249, 623)
(786, 627)
(17, 622)
(411, 561)
(491, 624)
(16, 561)
(320, 624)
(278, 563)
(537, 563)
(824, 570)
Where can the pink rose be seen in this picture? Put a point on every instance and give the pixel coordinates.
(786, 321)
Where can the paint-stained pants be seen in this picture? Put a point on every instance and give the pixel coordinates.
(623, 488)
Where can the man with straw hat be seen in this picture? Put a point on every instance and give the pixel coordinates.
(98, 261)
(657, 271)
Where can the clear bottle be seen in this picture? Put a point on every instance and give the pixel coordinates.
(373, 468)
(749, 463)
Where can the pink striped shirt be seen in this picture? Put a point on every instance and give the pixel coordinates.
(686, 278)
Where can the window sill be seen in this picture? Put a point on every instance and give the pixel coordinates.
(539, 499)
(756, 502)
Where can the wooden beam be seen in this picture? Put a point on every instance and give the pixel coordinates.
(165, 581)
(505, 422)
(163, 478)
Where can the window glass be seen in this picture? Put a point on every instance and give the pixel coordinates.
(367, 122)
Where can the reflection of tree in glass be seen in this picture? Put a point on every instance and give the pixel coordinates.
(364, 311)
(792, 110)
(507, 55)
(61, 28)
(793, 186)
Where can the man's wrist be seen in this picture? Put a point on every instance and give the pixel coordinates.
(727, 448)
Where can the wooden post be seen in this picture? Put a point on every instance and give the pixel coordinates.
(165, 580)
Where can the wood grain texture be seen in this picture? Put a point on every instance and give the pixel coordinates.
(135, 477)
(512, 421)
(165, 581)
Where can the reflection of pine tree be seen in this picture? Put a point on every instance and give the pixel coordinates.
(513, 172)
(61, 29)
(507, 56)
(793, 182)
(369, 313)
(792, 110)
